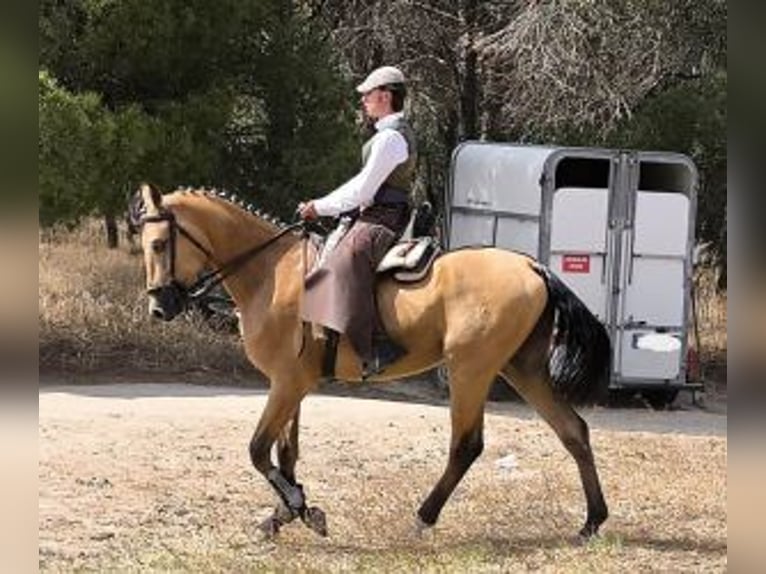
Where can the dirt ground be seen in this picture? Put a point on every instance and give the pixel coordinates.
(157, 477)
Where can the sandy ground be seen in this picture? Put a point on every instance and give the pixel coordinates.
(157, 477)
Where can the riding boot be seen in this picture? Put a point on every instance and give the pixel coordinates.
(330, 353)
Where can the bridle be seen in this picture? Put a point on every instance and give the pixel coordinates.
(184, 295)
(175, 229)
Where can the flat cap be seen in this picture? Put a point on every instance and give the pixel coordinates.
(381, 77)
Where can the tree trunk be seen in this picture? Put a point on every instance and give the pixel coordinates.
(469, 81)
(112, 235)
(469, 97)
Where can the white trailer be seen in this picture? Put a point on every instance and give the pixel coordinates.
(616, 226)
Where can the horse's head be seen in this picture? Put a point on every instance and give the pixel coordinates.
(172, 263)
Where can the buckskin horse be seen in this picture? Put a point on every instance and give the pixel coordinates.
(480, 311)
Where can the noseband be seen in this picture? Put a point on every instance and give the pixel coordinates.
(207, 281)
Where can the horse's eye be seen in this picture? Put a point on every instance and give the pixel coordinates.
(158, 245)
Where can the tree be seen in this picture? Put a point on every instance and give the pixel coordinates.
(67, 126)
(293, 130)
(86, 152)
(144, 75)
(245, 95)
(139, 51)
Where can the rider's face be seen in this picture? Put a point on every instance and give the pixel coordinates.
(376, 103)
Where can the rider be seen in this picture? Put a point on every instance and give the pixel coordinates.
(340, 294)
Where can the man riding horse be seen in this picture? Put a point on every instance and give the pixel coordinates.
(374, 207)
(481, 312)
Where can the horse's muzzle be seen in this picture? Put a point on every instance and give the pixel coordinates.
(167, 302)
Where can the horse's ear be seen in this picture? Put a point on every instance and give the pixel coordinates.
(145, 199)
(152, 196)
(136, 209)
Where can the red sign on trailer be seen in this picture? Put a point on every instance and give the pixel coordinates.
(575, 263)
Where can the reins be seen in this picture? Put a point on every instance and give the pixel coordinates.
(210, 280)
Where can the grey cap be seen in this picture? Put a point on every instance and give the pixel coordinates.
(381, 77)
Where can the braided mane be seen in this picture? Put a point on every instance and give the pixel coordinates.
(235, 200)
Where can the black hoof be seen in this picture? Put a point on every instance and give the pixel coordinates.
(269, 528)
(588, 531)
(593, 521)
(316, 519)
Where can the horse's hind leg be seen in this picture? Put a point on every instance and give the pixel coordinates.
(532, 380)
(468, 392)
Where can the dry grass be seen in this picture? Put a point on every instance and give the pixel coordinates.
(712, 321)
(93, 317)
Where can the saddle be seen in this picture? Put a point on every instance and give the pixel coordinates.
(410, 260)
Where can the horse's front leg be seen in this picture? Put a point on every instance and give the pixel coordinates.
(287, 455)
(279, 423)
(287, 447)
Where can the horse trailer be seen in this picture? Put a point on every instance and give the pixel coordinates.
(617, 227)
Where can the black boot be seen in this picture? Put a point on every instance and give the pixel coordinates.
(385, 352)
(330, 353)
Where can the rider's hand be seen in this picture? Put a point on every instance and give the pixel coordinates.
(307, 211)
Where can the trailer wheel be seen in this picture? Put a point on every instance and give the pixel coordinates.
(660, 399)
(619, 397)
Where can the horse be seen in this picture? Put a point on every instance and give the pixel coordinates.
(479, 311)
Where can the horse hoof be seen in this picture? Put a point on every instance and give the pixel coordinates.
(315, 518)
(269, 528)
(587, 532)
(421, 528)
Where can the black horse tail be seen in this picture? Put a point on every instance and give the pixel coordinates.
(581, 355)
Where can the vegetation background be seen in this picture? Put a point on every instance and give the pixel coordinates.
(256, 96)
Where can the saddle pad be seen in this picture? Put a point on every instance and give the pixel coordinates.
(410, 260)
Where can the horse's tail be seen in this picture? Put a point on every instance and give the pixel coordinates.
(581, 356)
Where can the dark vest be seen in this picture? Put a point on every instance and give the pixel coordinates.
(403, 175)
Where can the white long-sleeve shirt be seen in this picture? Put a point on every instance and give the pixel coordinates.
(388, 148)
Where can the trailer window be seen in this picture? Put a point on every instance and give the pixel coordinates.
(668, 177)
(582, 172)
